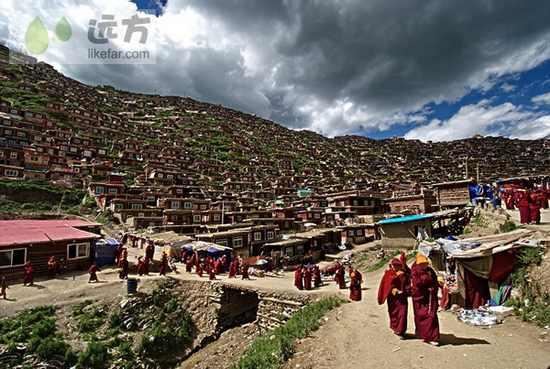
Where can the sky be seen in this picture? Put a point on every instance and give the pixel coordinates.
(434, 70)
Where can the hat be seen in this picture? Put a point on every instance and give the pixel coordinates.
(421, 259)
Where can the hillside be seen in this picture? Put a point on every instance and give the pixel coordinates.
(212, 144)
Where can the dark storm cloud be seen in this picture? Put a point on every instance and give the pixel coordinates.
(386, 54)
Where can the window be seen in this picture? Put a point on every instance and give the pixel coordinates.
(174, 205)
(300, 250)
(137, 206)
(196, 218)
(217, 217)
(257, 236)
(118, 206)
(237, 242)
(112, 190)
(170, 176)
(11, 173)
(78, 250)
(317, 215)
(13, 155)
(359, 232)
(350, 233)
(270, 235)
(11, 258)
(99, 190)
(289, 251)
(222, 242)
(1, 154)
(188, 205)
(204, 206)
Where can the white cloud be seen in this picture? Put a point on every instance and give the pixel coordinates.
(543, 99)
(483, 118)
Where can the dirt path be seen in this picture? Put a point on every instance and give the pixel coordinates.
(357, 336)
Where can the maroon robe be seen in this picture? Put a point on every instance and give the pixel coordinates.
(123, 264)
(234, 266)
(340, 278)
(522, 202)
(534, 208)
(189, 264)
(307, 279)
(424, 297)
(355, 286)
(163, 265)
(476, 290)
(29, 275)
(244, 271)
(212, 274)
(317, 275)
(397, 303)
(198, 269)
(93, 273)
(298, 279)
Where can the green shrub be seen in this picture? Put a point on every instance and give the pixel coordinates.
(271, 350)
(95, 356)
(507, 226)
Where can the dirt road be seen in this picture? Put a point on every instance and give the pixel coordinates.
(357, 336)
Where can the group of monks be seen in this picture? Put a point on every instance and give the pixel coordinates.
(528, 202)
(306, 277)
(418, 282)
(214, 266)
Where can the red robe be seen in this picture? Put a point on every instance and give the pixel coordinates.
(535, 204)
(244, 271)
(477, 290)
(163, 265)
(340, 277)
(29, 277)
(522, 202)
(397, 304)
(298, 279)
(233, 268)
(198, 269)
(189, 264)
(317, 275)
(307, 279)
(123, 264)
(355, 286)
(212, 274)
(93, 273)
(424, 297)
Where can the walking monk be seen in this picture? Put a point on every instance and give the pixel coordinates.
(123, 265)
(163, 264)
(424, 296)
(394, 288)
(298, 278)
(233, 267)
(355, 284)
(29, 275)
(93, 273)
(340, 276)
(4, 287)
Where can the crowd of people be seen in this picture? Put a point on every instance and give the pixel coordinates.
(528, 202)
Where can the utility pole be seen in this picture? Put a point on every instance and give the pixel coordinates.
(466, 177)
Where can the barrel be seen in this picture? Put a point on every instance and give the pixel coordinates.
(131, 286)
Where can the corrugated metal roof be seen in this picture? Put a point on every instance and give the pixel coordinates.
(21, 232)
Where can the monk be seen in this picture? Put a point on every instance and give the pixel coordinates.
(233, 267)
(198, 269)
(394, 288)
(53, 267)
(163, 264)
(29, 275)
(189, 264)
(146, 262)
(522, 199)
(424, 296)
(212, 274)
(535, 203)
(93, 273)
(244, 271)
(317, 281)
(340, 276)
(4, 287)
(123, 265)
(307, 278)
(150, 250)
(355, 284)
(140, 266)
(298, 278)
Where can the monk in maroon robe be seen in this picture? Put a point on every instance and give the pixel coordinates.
(212, 274)
(394, 289)
(317, 276)
(355, 284)
(123, 265)
(233, 267)
(522, 202)
(340, 277)
(146, 262)
(198, 269)
(93, 273)
(307, 278)
(163, 264)
(189, 264)
(424, 296)
(298, 278)
(29, 275)
(140, 266)
(535, 204)
(244, 271)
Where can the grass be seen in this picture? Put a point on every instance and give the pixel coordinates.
(530, 306)
(271, 350)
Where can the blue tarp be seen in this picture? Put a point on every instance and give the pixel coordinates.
(405, 219)
(105, 252)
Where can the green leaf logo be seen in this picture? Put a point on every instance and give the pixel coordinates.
(36, 38)
(63, 29)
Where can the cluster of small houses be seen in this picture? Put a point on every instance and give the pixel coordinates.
(168, 164)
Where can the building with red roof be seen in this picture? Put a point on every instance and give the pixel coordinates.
(70, 241)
